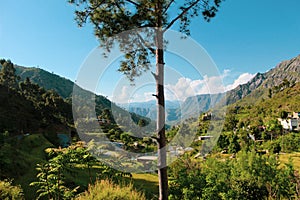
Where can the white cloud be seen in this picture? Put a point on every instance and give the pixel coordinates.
(122, 96)
(186, 87)
(147, 96)
(242, 79)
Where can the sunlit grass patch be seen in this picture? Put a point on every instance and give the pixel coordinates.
(284, 158)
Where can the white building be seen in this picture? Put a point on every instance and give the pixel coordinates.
(292, 122)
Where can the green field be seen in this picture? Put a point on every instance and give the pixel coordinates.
(147, 183)
(295, 157)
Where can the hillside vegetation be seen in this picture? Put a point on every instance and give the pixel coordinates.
(268, 108)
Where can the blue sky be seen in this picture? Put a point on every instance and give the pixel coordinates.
(246, 37)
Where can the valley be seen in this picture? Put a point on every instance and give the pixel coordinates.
(36, 106)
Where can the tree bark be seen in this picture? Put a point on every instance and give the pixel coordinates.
(161, 136)
(162, 154)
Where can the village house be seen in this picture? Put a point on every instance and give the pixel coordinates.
(292, 122)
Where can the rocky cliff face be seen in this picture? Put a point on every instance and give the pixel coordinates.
(243, 90)
(289, 70)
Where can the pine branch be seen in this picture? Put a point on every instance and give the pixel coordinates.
(168, 6)
(145, 44)
(89, 10)
(154, 75)
(184, 11)
(132, 2)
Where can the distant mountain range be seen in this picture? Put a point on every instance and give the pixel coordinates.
(258, 87)
(148, 109)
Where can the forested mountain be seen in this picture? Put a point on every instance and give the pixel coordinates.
(26, 107)
(269, 108)
(63, 87)
(38, 98)
(33, 111)
(49, 81)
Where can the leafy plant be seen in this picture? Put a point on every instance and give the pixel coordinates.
(10, 192)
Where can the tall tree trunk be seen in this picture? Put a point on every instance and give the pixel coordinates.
(161, 136)
(162, 154)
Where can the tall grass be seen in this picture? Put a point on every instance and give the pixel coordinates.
(106, 190)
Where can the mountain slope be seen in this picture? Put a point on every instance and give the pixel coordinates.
(85, 103)
(264, 110)
(258, 87)
(49, 81)
(284, 75)
(35, 111)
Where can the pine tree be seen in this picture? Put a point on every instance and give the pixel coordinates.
(112, 17)
(8, 75)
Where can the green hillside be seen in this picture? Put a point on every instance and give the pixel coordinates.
(47, 80)
(28, 108)
(266, 107)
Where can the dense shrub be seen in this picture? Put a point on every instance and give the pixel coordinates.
(106, 190)
(248, 176)
(290, 142)
(10, 192)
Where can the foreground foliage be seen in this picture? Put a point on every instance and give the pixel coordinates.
(10, 192)
(53, 178)
(249, 176)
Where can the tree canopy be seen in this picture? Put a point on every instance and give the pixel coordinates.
(7, 74)
(110, 18)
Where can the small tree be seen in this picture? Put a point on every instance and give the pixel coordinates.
(283, 114)
(230, 122)
(8, 75)
(234, 145)
(51, 179)
(112, 17)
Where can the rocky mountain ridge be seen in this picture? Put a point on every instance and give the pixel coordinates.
(287, 70)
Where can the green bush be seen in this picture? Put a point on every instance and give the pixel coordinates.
(248, 176)
(10, 192)
(290, 142)
(106, 190)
